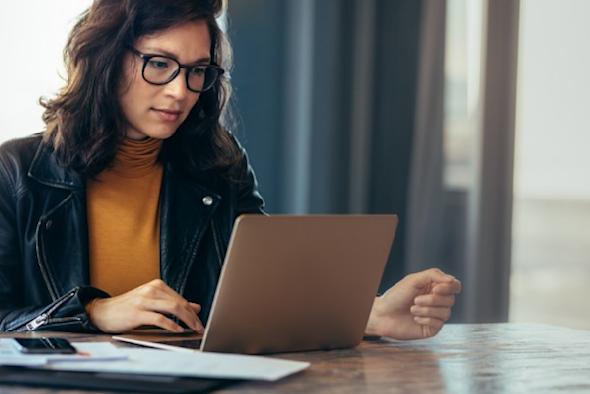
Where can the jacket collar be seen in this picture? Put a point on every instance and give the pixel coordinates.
(45, 169)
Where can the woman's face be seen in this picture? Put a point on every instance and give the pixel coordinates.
(158, 110)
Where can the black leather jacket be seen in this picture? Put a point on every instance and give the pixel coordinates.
(44, 280)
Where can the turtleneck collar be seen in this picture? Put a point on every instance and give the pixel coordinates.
(136, 158)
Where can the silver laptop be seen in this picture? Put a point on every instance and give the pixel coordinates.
(291, 283)
(296, 283)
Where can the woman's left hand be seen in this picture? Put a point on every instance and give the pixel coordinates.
(416, 307)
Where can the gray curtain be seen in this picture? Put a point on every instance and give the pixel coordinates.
(466, 232)
(340, 106)
(325, 92)
(426, 191)
(489, 226)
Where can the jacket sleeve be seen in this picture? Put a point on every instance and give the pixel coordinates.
(67, 313)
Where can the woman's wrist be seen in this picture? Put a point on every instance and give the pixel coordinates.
(90, 306)
(372, 328)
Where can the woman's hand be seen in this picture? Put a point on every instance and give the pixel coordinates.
(144, 305)
(416, 307)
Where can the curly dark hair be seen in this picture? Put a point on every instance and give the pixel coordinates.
(85, 123)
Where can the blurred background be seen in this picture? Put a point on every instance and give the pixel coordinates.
(467, 118)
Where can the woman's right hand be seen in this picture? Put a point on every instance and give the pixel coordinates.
(144, 305)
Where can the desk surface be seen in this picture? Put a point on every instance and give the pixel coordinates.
(461, 359)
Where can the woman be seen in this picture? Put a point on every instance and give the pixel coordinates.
(118, 215)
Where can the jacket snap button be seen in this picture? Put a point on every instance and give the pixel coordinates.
(207, 200)
(48, 224)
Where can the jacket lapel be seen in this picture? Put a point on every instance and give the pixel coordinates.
(186, 209)
(61, 233)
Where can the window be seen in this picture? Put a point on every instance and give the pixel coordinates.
(551, 228)
(33, 36)
(463, 58)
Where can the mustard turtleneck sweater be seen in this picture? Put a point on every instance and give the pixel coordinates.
(123, 219)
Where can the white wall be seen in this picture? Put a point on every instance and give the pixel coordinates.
(553, 121)
(32, 36)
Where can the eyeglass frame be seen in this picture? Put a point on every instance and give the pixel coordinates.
(146, 57)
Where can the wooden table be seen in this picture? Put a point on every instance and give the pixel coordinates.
(504, 358)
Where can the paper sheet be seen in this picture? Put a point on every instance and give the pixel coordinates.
(198, 364)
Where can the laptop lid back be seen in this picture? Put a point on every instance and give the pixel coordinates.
(295, 283)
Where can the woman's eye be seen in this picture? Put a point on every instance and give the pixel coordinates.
(200, 70)
(159, 64)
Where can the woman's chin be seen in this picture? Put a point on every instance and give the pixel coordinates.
(157, 134)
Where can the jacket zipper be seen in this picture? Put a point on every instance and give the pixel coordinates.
(41, 260)
(43, 318)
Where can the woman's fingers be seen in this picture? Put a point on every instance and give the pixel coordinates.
(426, 278)
(452, 287)
(435, 300)
(160, 297)
(182, 310)
(158, 320)
(430, 326)
(440, 313)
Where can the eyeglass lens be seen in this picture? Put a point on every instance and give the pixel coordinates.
(161, 70)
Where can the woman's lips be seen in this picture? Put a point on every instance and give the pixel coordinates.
(167, 115)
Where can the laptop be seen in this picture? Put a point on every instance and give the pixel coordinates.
(297, 283)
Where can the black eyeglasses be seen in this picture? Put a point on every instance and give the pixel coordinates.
(160, 70)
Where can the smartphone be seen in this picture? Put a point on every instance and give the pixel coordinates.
(44, 345)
